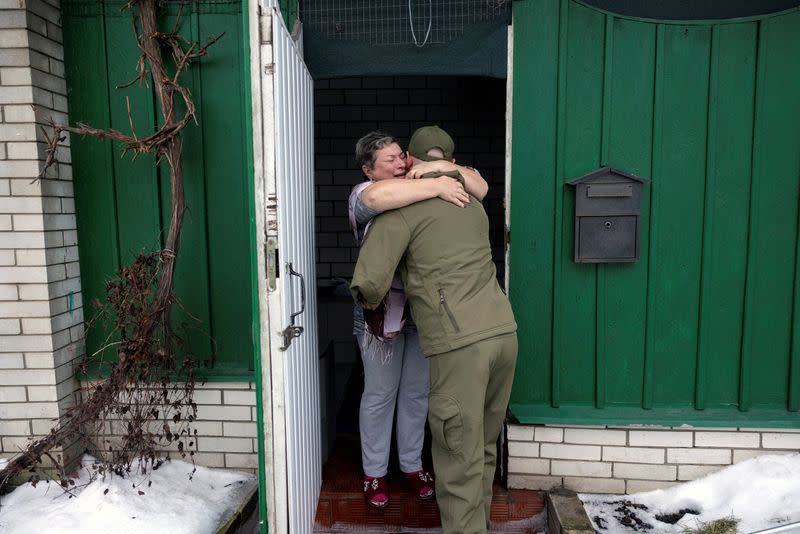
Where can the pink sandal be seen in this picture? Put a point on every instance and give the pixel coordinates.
(376, 491)
(422, 483)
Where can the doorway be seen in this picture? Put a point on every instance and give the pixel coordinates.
(472, 110)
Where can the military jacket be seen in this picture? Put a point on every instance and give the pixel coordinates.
(443, 255)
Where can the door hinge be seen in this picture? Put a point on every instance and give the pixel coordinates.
(271, 255)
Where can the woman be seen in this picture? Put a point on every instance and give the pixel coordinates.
(394, 366)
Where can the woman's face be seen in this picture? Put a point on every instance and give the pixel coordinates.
(390, 162)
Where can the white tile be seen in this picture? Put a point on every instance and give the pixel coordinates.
(19, 427)
(245, 430)
(660, 438)
(699, 456)
(595, 436)
(16, 38)
(645, 471)
(594, 485)
(518, 448)
(28, 410)
(26, 343)
(12, 394)
(634, 455)
(210, 444)
(19, 168)
(22, 239)
(18, 113)
(520, 433)
(580, 469)
(42, 393)
(9, 327)
(692, 472)
(639, 486)
(746, 454)
(780, 441)
(31, 257)
(731, 440)
(555, 435)
(533, 482)
(247, 398)
(570, 452)
(531, 466)
(241, 461)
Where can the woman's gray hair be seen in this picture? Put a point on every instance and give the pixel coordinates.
(371, 143)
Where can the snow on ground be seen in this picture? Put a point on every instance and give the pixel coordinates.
(170, 502)
(762, 493)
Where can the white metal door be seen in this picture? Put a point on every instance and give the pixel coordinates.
(294, 176)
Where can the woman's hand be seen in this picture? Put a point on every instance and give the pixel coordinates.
(424, 167)
(473, 181)
(451, 190)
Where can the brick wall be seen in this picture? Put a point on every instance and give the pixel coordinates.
(631, 460)
(41, 313)
(225, 425)
(471, 109)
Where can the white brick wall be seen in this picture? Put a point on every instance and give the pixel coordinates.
(37, 344)
(226, 433)
(41, 306)
(631, 460)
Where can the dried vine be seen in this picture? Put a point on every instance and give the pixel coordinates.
(147, 391)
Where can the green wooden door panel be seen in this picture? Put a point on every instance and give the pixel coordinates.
(627, 145)
(135, 181)
(123, 206)
(677, 184)
(702, 327)
(191, 269)
(576, 307)
(532, 194)
(230, 288)
(99, 254)
(728, 169)
(773, 220)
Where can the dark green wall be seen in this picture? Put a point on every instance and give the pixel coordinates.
(702, 330)
(123, 206)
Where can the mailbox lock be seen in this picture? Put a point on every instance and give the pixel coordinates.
(608, 225)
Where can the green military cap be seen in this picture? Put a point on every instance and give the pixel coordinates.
(429, 137)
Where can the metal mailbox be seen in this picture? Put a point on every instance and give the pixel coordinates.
(607, 211)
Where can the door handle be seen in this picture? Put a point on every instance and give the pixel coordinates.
(292, 331)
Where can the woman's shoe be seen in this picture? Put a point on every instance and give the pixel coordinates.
(422, 483)
(376, 491)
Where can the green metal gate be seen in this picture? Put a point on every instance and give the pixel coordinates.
(704, 328)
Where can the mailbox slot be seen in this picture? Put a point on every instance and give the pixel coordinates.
(609, 190)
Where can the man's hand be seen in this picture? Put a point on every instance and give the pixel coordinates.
(451, 190)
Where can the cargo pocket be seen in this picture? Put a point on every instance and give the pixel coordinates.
(444, 418)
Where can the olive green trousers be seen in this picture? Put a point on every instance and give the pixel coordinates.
(469, 394)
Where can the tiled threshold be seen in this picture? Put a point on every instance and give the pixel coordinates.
(342, 507)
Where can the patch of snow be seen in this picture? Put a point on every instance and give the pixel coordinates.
(762, 492)
(165, 500)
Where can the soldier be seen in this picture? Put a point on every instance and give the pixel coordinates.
(466, 328)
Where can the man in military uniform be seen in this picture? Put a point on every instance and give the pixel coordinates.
(465, 325)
